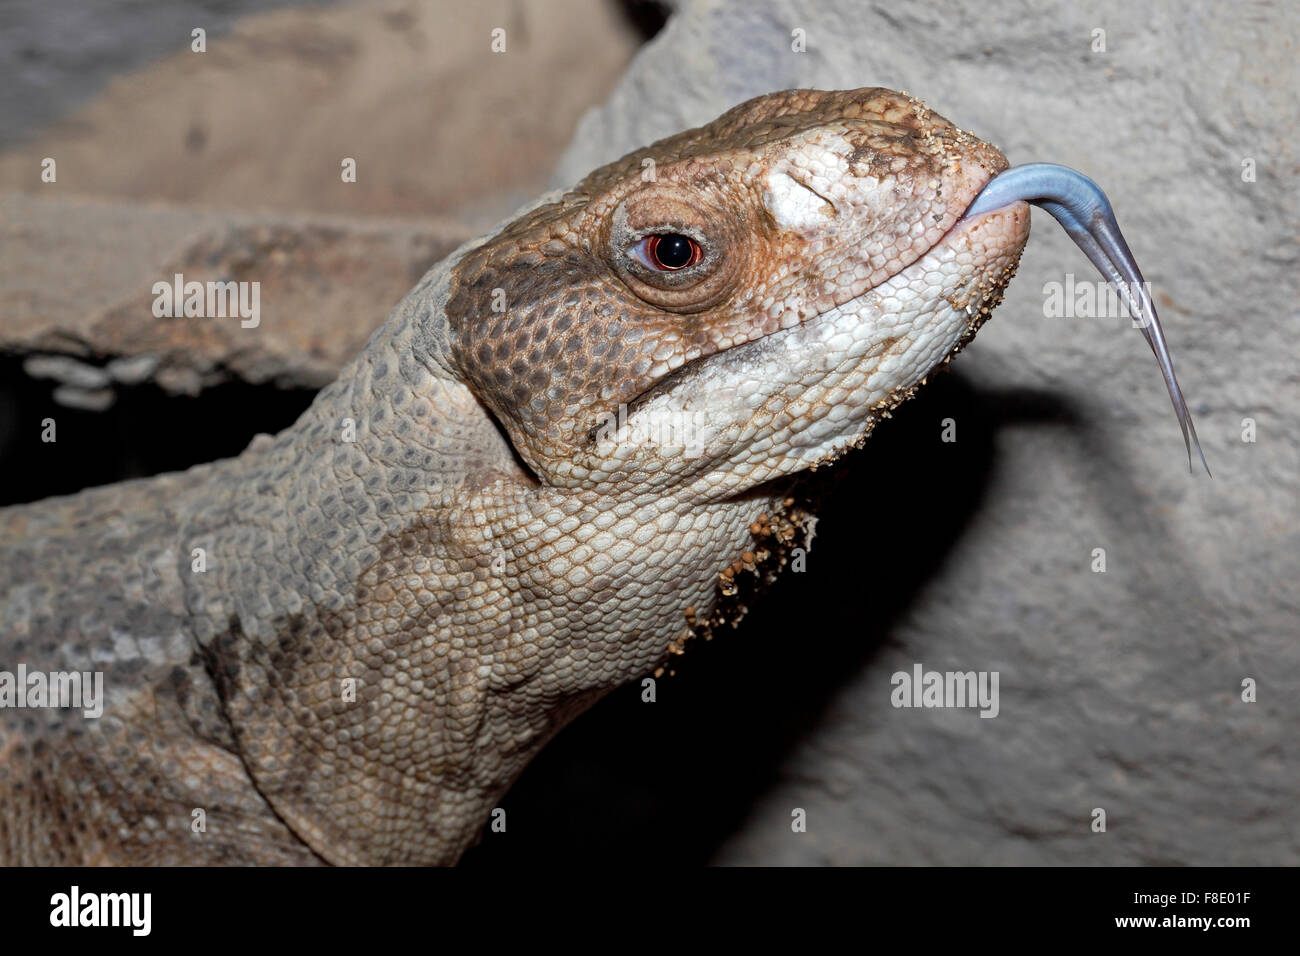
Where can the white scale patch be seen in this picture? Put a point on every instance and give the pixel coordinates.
(794, 206)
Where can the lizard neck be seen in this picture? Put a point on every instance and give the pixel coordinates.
(295, 520)
(397, 615)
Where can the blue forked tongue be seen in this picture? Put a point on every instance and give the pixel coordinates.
(1078, 204)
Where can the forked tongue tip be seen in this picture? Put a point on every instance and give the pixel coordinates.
(1079, 205)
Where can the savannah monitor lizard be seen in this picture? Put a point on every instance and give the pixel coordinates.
(548, 468)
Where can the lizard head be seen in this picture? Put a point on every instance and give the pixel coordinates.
(737, 302)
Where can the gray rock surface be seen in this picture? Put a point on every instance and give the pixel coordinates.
(1119, 690)
(410, 90)
(54, 54)
(203, 162)
(77, 276)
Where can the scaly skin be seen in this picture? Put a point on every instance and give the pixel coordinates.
(484, 560)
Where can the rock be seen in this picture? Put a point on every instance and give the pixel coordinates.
(85, 399)
(77, 282)
(437, 123)
(226, 165)
(66, 370)
(133, 370)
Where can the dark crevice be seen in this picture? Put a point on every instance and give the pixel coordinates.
(146, 432)
(647, 17)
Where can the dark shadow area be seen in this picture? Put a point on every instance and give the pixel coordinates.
(146, 432)
(679, 776)
(647, 17)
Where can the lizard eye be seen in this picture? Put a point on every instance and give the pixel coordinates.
(667, 252)
(676, 251)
